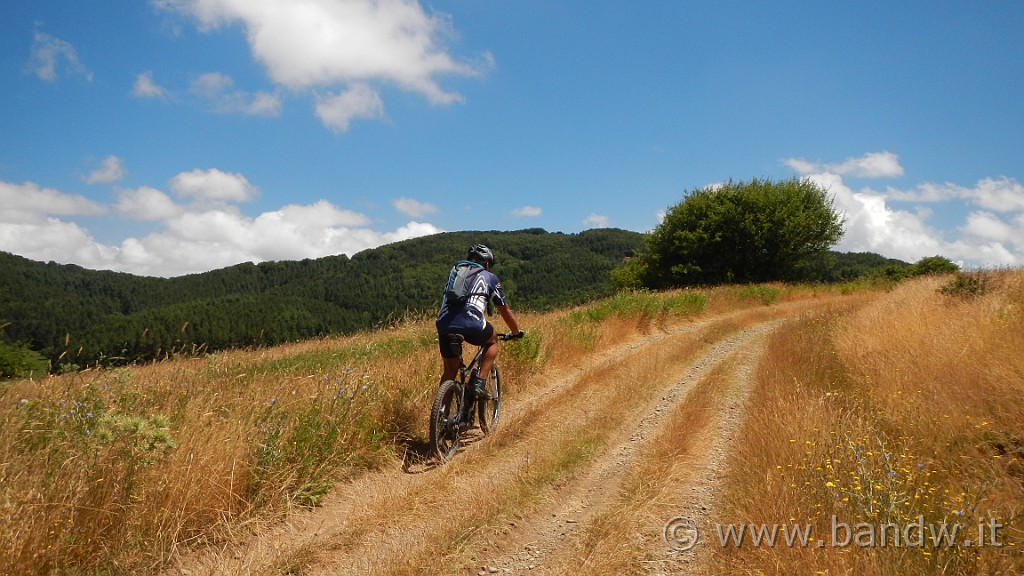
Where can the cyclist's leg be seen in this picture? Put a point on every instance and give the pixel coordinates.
(451, 355)
(490, 352)
(486, 338)
(451, 368)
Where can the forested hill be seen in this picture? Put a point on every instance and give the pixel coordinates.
(76, 316)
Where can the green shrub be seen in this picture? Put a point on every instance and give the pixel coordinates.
(685, 303)
(525, 350)
(765, 294)
(966, 285)
(18, 361)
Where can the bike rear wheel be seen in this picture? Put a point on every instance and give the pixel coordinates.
(489, 410)
(444, 420)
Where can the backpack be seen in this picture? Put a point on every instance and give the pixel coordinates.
(459, 281)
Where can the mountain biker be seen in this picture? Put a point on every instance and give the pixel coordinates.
(466, 316)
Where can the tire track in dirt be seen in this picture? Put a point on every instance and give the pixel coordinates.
(551, 544)
(383, 521)
(694, 497)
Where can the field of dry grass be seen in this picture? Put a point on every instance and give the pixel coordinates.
(114, 471)
(878, 426)
(874, 406)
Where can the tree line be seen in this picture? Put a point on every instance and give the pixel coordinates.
(72, 317)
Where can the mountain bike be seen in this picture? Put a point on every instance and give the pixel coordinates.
(453, 409)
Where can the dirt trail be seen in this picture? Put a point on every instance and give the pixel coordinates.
(553, 544)
(525, 500)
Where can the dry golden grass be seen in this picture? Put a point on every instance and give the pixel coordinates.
(905, 411)
(113, 471)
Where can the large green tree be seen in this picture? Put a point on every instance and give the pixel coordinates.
(754, 231)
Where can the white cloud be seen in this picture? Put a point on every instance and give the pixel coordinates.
(527, 212)
(262, 104)
(110, 170)
(873, 225)
(49, 53)
(31, 203)
(411, 230)
(215, 86)
(258, 104)
(596, 221)
(413, 208)
(998, 194)
(990, 227)
(146, 203)
(196, 241)
(338, 110)
(29, 226)
(870, 165)
(51, 239)
(322, 214)
(990, 236)
(213, 185)
(211, 84)
(145, 87)
(192, 234)
(326, 44)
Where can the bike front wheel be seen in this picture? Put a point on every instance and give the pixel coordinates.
(489, 410)
(444, 420)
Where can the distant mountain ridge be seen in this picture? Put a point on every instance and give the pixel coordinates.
(76, 316)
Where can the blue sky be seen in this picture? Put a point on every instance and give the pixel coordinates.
(177, 136)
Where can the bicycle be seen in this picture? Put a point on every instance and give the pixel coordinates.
(454, 403)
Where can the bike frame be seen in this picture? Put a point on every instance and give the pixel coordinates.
(454, 405)
(466, 371)
(470, 403)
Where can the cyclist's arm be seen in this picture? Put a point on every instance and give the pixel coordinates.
(509, 318)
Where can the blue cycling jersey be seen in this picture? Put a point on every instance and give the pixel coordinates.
(470, 314)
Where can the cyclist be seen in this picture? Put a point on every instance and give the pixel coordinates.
(468, 295)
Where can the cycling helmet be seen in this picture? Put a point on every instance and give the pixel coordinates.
(480, 254)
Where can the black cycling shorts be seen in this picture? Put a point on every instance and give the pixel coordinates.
(451, 348)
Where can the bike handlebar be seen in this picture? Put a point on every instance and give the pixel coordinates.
(511, 335)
